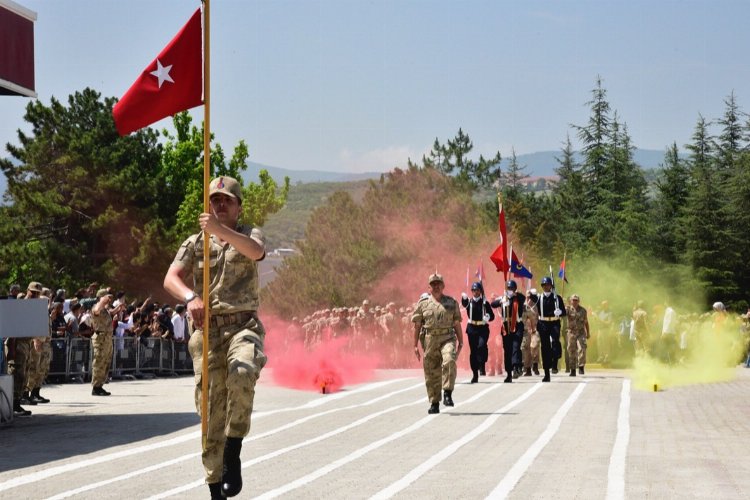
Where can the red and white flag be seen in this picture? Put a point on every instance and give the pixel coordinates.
(173, 82)
(500, 256)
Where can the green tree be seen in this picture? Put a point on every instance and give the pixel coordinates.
(569, 193)
(709, 243)
(182, 177)
(513, 179)
(453, 159)
(672, 190)
(77, 195)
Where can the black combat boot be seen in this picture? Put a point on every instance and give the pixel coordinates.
(482, 372)
(573, 372)
(99, 391)
(508, 378)
(546, 375)
(447, 399)
(18, 410)
(554, 371)
(535, 367)
(527, 372)
(475, 378)
(26, 399)
(215, 489)
(231, 477)
(580, 370)
(434, 408)
(38, 397)
(516, 373)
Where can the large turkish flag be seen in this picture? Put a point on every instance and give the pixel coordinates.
(173, 82)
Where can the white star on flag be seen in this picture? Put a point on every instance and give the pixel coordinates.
(162, 73)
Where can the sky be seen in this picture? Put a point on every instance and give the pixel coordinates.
(356, 85)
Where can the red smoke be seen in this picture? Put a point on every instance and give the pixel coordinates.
(325, 368)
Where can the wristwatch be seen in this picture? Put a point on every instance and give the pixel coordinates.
(190, 296)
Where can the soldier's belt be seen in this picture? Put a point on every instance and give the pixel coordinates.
(549, 318)
(437, 331)
(477, 322)
(219, 320)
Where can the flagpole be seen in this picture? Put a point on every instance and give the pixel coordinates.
(206, 208)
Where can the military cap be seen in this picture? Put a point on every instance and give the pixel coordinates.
(35, 286)
(436, 277)
(477, 285)
(225, 185)
(101, 293)
(575, 297)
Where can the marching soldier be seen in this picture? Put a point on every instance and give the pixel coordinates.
(578, 333)
(551, 310)
(479, 312)
(512, 307)
(530, 342)
(440, 317)
(236, 334)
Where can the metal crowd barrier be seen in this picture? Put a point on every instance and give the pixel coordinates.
(124, 356)
(72, 357)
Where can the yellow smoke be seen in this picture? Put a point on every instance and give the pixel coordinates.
(712, 346)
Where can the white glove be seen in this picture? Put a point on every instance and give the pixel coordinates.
(464, 296)
(558, 313)
(486, 318)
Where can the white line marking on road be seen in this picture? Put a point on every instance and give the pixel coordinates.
(506, 485)
(189, 456)
(616, 473)
(274, 454)
(449, 450)
(363, 451)
(62, 469)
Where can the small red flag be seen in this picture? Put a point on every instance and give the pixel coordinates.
(499, 258)
(173, 82)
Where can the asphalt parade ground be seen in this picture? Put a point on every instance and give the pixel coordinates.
(588, 437)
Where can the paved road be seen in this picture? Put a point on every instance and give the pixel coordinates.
(589, 437)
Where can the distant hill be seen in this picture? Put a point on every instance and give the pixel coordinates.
(302, 176)
(544, 163)
(539, 164)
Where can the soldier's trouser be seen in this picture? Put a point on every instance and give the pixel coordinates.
(102, 342)
(17, 366)
(549, 336)
(235, 359)
(33, 367)
(512, 349)
(439, 364)
(576, 349)
(530, 349)
(36, 379)
(478, 336)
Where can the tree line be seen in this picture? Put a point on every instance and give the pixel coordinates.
(84, 204)
(686, 230)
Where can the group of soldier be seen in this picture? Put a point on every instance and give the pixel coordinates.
(28, 358)
(367, 328)
(528, 322)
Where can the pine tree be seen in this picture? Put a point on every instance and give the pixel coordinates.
(672, 190)
(709, 245)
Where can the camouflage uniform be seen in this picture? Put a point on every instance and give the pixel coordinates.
(576, 337)
(40, 360)
(437, 319)
(530, 343)
(101, 340)
(236, 336)
(18, 363)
